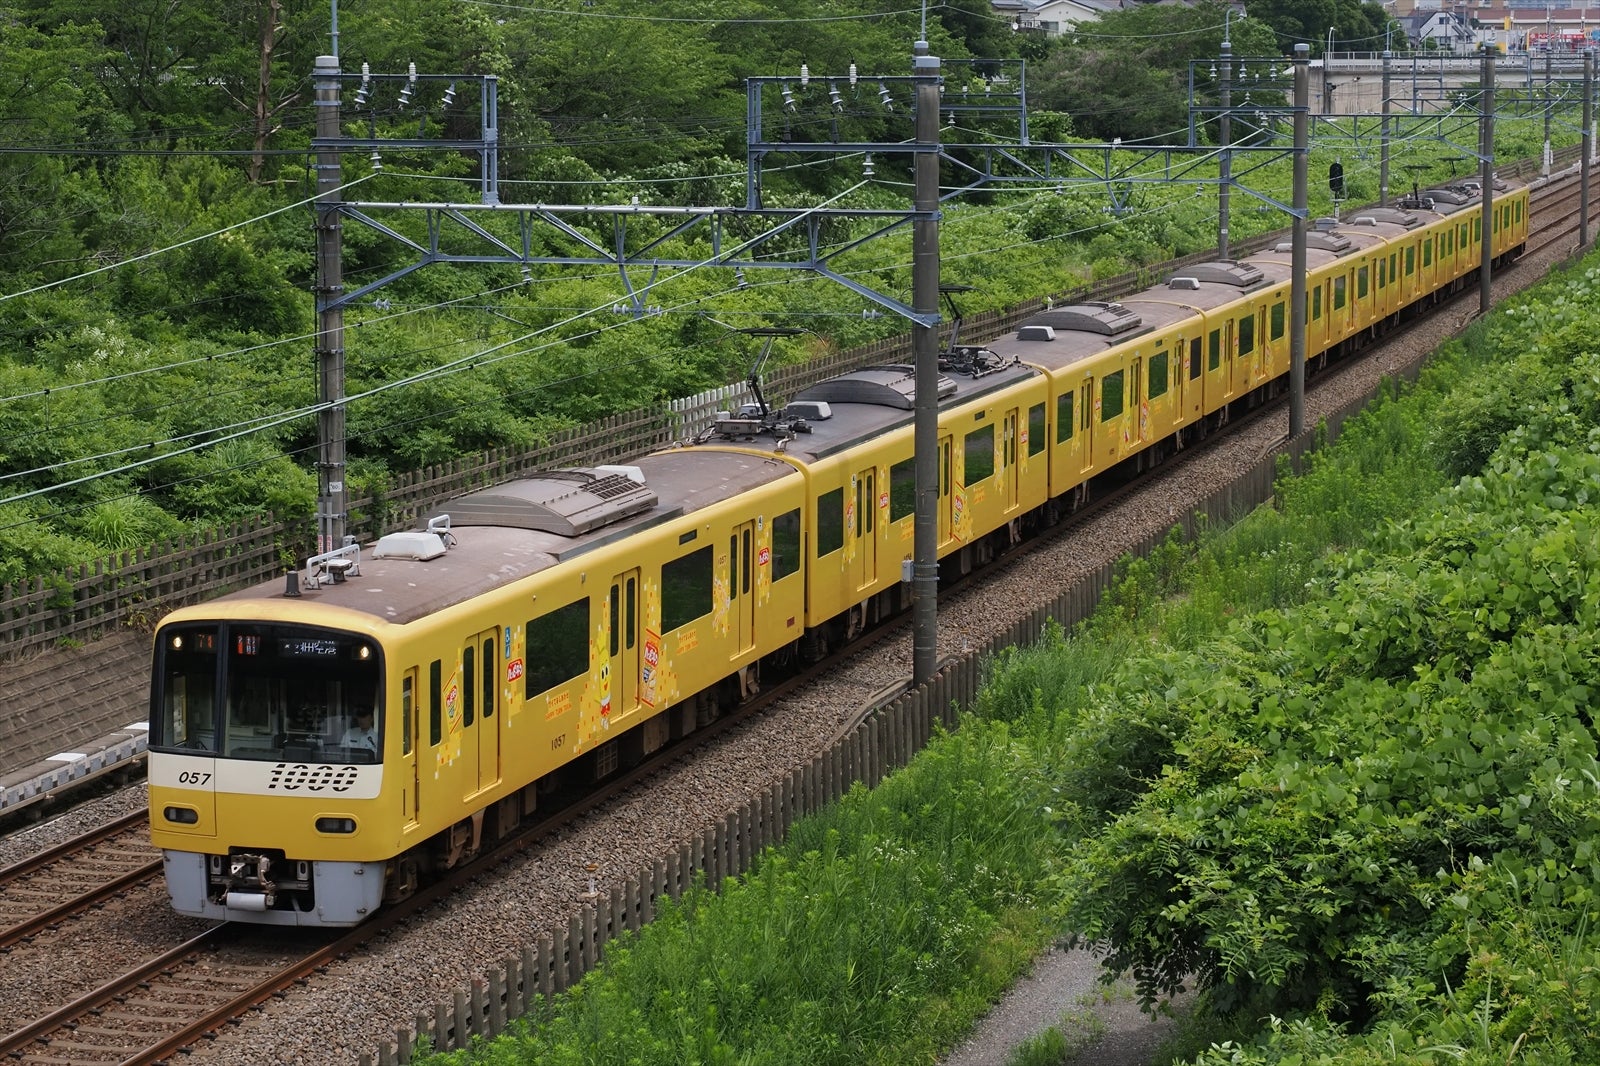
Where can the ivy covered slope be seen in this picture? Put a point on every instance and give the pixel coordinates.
(1370, 819)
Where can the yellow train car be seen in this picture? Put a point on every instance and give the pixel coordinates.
(549, 630)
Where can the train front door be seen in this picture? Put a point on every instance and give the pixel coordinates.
(480, 720)
(623, 603)
(864, 526)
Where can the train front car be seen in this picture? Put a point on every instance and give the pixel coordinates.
(266, 769)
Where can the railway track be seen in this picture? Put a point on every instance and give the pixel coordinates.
(171, 1001)
(52, 886)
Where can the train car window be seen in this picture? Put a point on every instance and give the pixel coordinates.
(1158, 374)
(871, 508)
(1477, 229)
(1411, 260)
(686, 588)
(469, 686)
(902, 489)
(980, 455)
(614, 619)
(1036, 429)
(187, 665)
(830, 522)
(1361, 283)
(1392, 274)
(631, 610)
(1110, 396)
(558, 647)
(1338, 292)
(1427, 254)
(435, 704)
(1517, 213)
(1316, 303)
(1382, 277)
(491, 671)
(1064, 417)
(786, 543)
(1194, 358)
(1214, 342)
(1277, 321)
(407, 708)
(1247, 334)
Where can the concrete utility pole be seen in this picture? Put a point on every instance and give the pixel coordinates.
(332, 505)
(1225, 160)
(925, 348)
(1297, 248)
(1486, 150)
(1587, 150)
(1383, 139)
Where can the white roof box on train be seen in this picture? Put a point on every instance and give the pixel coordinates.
(419, 545)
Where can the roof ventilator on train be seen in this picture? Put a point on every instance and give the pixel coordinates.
(1093, 316)
(418, 544)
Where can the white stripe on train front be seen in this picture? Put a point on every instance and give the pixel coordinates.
(253, 777)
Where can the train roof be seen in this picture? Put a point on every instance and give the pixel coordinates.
(509, 531)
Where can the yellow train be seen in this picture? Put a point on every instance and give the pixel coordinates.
(556, 627)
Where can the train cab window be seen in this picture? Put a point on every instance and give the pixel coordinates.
(903, 489)
(1064, 417)
(435, 704)
(1036, 429)
(980, 455)
(829, 522)
(1158, 374)
(1361, 283)
(686, 587)
(786, 543)
(1247, 334)
(1110, 396)
(1277, 321)
(1214, 345)
(558, 648)
(1338, 292)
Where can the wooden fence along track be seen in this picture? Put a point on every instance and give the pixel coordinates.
(134, 588)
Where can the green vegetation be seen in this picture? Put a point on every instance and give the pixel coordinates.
(156, 316)
(1336, 769)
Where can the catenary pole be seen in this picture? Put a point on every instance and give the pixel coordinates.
(1297, 248)
(1486, 150)
(925, 348)
(331, 496)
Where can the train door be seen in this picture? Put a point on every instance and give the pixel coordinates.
(408, 771)
(1136, 404)
(480, 737)
(741, 587)
(1193, 403)
(622, 674)
(865, 527)
(1008, 459)
(1086, 405)
(947, 519)
(1228, 357)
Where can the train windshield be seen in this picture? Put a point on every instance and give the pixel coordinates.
(260, 691)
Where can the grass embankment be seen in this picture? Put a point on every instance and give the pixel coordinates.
(1336, 768)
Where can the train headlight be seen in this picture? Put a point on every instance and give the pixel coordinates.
(181, 815)
(336, 825)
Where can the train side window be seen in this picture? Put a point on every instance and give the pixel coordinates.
(1427, 254)
(903, 489)
(1477, 229)
(562, 642)
(1392, 274)
(1338, 292)
(469, 685)
(1316, 303)
(407, 702)
(435, 704)
(1110, 396)
(1064, 417)
(1194, 358)
(686, 588)
(979, 455)
(1036, 429)
(1214, 343)
(1277, 321)
(786, 544)
(1247, 334)
(1382, 277)
(830, 522)
(1158, 374)
(1517, 213)
(1361, 283)
(1411, 260)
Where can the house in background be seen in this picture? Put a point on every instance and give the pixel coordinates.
(1448, 31)
(1053, 17)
